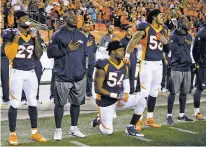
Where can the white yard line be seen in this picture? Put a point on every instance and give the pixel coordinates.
(182, 130)
(144, 139)
(79, 143)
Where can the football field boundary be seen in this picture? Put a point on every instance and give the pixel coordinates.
(185, 131)
(79, 143)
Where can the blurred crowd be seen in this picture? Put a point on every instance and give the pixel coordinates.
(121, 13)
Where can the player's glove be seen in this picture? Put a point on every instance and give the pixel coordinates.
(33, 32)
(124, 96)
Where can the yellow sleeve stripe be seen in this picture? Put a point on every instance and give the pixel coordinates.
(106, 67)
(11, 50)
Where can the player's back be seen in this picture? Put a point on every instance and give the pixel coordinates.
(113, 80)
(151, 47)
(24, 56)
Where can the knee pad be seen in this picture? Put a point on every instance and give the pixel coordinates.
(15, 103)
(105, 131)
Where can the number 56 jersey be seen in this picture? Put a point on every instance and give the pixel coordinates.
(24, 56)
(151, 47)
(113, 81)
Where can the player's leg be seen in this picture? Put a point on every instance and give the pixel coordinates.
(137, 102)
(174, 87)
(30, 89)
(145, 82)
(59, 100)
(76, 98)
(184, 90)
(52, 87)
(104, 119)
(38, 71)
(201, 81)
(155, 86)
(5, 79)
(16, 86)
(89, 80)
(132, 70)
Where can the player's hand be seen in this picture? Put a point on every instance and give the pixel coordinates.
(161, 38)
(74, 46)
(124, 97)
(166, 62)
(126, 60)
(33, 32)
(16, 36)
(89, 43)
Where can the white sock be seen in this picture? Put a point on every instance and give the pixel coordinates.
(149, 114)
(181, 114)
(197, 110)
(169, 115)
(73, 127)
(33, 131)
(58, 129)
(141, 117)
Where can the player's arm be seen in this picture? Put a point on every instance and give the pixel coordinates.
(126, 86)
(99, 80)
(175, 47)
(38, 47)
(133, 42)
(11, 47)
(53, 48)
(196, 49)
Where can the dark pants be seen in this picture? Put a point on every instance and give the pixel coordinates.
(89, 79)
(41, 16)
(5, 78)
(138, 87)
(52, 85)
(164, 76)
(132, 70)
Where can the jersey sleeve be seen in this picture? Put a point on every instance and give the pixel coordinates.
(142, 26)
(7, 35)
(102, 64)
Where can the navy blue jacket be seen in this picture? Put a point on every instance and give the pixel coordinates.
(92, 50)
(69, 66)
(180, 46)
(133, 56)
(199, 47)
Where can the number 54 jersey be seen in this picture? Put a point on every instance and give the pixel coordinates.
(152, 48)
(24, 56)
(113, 81)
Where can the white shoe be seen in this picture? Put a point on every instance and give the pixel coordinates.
(58, 134)
(76, 132)
(24, 102)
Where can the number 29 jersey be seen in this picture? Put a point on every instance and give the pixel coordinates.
(152, 48)
(113, 81)
(24, 56)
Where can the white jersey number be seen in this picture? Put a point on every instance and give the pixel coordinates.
(154, 44)
(24, 52)
(113, 79)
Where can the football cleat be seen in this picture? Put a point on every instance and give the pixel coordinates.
(37, 137)
(95, 122)
(131, 130)
(13, 140)
(169, 120)
(150, 122)
(139, 126)
(184, 118)
(199, 116)
(76, 132)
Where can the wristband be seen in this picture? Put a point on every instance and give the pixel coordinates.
(113, 95)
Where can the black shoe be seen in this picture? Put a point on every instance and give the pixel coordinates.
(137, 90)
(131, 92)
(169, 120)
(184, 118)
(131, 130)
(95, 122)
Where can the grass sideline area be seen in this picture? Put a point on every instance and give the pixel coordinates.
(164, 136)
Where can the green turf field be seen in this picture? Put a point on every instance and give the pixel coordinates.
(164, 136)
